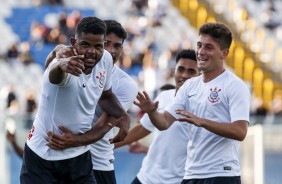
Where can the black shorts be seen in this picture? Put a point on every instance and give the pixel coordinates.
(136, 181)
(105, 177)
(214, 180)
(35, 170)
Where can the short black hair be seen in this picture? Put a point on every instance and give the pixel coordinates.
(186, 54)
(219, 32)
(166, 87)
(116, 28)
(91, 25)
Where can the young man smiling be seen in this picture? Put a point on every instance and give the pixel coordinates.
(216, 106)
(66, 104)
(125, 90)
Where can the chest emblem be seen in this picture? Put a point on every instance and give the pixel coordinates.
(214, 97)
(101, 77)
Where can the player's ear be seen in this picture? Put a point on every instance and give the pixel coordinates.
(73, 41)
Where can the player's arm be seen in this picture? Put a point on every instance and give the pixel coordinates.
(67, 139)
(110, 105)
(12, 139)
(161, 120)
(137, 147)
(239, 106)
(236, 130)
(53, 54)
(136, 133)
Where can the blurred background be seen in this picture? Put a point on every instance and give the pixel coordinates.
(157, 30)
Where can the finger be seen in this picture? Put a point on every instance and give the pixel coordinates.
(146, 95)
(119, 137)
(183, 120)
(55, 138)
(156, 104)
(140, 95)
(63, 129)
(80, 65)
(136, 103)
(75, 51)
(53, 144)
(74, 70)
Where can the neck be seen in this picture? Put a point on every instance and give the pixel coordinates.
(87, 71)
(176, 89)
(208, 76)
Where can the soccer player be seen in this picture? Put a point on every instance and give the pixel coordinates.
(70, 92)
(216, 105)
(125, 90)
(167, 153)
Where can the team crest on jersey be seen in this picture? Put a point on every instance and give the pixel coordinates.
(101, 77)
(214, 97)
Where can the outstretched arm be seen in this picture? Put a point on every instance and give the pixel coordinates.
(161, 121)
(135, 134)
(53, 54)
(112, 107)
(137, 147)
(12, 139)
(236, 130)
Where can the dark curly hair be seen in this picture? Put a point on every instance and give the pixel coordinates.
(91, 25)
(116, 28)
(186, 54)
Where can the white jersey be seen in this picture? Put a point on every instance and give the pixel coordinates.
(70, 104)
(125, 89)
(225, 99)
(165, 160)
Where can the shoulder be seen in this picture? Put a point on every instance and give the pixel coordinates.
(192, 81)
(232, 79)
(106, 59)
(234, 83)
(123, 79)
(166, 95)
(107, 56)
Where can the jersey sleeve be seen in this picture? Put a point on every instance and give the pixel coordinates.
(109, 69)
(179, 101)
(66, 81)
(239, 101)
(126, 94)
(146, 123)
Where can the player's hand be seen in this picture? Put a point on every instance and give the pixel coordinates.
(137, 147)
(145, 103)
(189, 118)
(73, 65)
(123, 124)
(63, 51)
(11, 137)
(60, 142)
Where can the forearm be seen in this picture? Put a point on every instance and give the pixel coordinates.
(56, 74)
(93, 135)
(52, 55)
(110, 105)
(18, 149)
(235, 130)
(137, 133)
(96, 133)
(161, 121)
